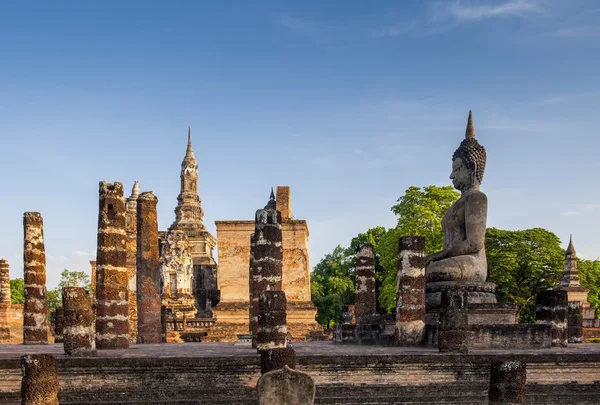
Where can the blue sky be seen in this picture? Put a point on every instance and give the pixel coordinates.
(349, 103)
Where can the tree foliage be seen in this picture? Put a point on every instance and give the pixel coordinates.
(420, 212)
(521, 263)
(67, 279)
(589, 277)
(17, 291)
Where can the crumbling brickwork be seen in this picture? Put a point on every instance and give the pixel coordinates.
(112, 307)
(4, 283)
(254, 291)
(35, 311)
(453, 328)
(131, 244)
(507, 383)
(40, 380)
(148, 270)
(410, 291)
(78, 323)
(365, 299)
(551, 309)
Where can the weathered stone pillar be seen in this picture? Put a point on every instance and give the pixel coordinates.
(39, 385)
(551, 309)
(453, 322)
(254, 291)
(410, 291)
(148, 270)
(131, 245)
(59, 318)
(268, 251)
(272, 332)
(575, 322)
(365, 299)
(284, 387)
(35, 310)
(78, 323)
(112, 321)
(93, 280)
(4, 283)
(507, 383)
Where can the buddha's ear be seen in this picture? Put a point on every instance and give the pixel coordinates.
(474, 174)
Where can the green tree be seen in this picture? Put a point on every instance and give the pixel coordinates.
(589, 276)
(521, 263)
(17, 291)
(420, 212)
(332, 286)
(67, 279)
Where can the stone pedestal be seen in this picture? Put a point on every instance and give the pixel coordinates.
(35, 311)
(78, 325)
(453, 324)
(410, 292)
(40, 380)
(551, 309)
(507, 383)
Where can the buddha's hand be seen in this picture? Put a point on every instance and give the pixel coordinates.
(434, 257)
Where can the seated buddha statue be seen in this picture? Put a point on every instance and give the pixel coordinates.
(463, 261)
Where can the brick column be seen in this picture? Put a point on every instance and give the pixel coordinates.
(39, 385)
(112, 308)
(78, 322)
(4, 283)
(575, 322)
(35, 310)
(551, 309)
(365, 299)
(148, 270)
(268, 251)
(453, 322)
(254, 289)
(272, 332)
(410, 291)
(507, 383)
(93, 280)
(59, 317)
(131, 262)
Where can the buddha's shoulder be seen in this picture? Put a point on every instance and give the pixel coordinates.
(476, 196)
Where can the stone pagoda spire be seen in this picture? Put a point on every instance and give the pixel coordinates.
(570, 274)
(189, 213)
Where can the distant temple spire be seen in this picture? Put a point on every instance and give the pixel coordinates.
(271, 204)
(135, 190)
(571, 249)
(470, 132)
(188, 212)
(570, 275)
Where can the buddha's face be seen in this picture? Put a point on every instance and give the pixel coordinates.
(461, 176)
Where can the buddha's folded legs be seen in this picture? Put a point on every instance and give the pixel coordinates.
(459, 268)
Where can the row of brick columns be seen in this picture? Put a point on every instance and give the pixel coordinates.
(76, 322)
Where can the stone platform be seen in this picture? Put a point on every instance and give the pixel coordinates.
(221, 373)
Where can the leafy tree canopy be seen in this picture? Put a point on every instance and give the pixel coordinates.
(589, 277)
(521, 263)
(17, 291)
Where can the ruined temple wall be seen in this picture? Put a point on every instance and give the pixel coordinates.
(233, 277)
(234, 259)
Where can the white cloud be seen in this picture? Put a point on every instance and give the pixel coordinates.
(569, 213)
(461, 11)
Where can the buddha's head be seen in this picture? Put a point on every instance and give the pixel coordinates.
(468, 161)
